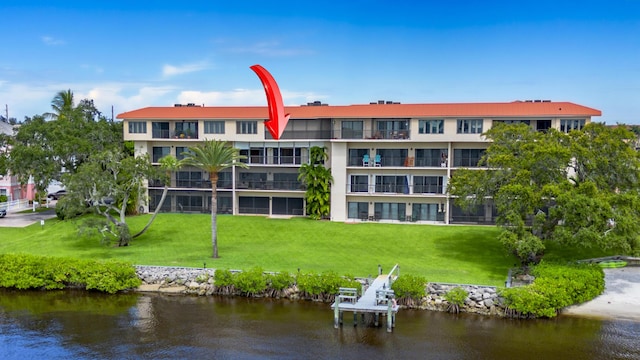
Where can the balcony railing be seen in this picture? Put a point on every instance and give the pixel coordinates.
(271, 185)
(373, 134)
(395, 189)
(301, 134)
(183, 135)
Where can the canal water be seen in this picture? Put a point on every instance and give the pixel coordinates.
(82, 325)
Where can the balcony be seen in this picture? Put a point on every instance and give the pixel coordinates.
(183, 135)
(271, 185)
(396, 188)
(301, 135)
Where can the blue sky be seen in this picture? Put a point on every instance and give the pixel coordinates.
(129, 55)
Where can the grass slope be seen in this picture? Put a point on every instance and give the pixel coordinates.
(458, 254)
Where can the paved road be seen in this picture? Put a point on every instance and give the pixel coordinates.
(620, 300)
(18, 218)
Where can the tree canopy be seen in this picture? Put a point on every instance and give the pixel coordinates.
(44, 149)
(577, 188)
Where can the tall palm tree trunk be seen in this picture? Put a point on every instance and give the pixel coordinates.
(213, 176)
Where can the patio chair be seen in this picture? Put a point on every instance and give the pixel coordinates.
(378, 161)
(365, 160)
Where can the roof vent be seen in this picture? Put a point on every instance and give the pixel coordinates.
(316, 103)
(383, 102)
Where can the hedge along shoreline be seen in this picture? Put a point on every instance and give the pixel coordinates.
(24, 271)
(555, 287)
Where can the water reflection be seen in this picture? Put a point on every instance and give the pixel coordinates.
(83, 325)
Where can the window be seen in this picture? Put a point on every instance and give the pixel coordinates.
(137, 127)
(246, 127)
(285, 181)
(467, 157)
(190, 179)
(567, 125)
(224, 181)
(392, 184)
(358, 210)
(390, 211)
(287, 206)
(391, 157)
(392, 129)
(190, 203)
(287, 155)
(188, 129)
(352, 129)
(253, 205)
(431, 126)
(356, 156)
(160, 130)
(427, 212)
(179, 152)
(359, 183)
(432, 157)
(160, 152)
(470, 126)
(214, 127)
(427, 184)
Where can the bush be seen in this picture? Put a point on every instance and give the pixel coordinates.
(555, 287)
(409, 287)
(456, 298)
(280, 281)
(36, 272)
(223, 278)
(326, 284)
(250, 282)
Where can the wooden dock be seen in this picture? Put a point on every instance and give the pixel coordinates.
(378, 299)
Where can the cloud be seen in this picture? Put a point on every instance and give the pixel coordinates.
(239, 97)
(171, 70)
(51, 41)
(223, 98)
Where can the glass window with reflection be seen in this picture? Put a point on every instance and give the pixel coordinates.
(352, 129)
(432, 126)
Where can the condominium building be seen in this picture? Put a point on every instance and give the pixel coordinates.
(390, 162)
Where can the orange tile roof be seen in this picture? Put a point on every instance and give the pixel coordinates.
(505, 110)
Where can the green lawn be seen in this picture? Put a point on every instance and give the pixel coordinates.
(457, 254)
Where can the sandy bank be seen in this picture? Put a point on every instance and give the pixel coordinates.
(620, 300)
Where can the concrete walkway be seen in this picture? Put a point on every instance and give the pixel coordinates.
(620, 300)
(24, 217)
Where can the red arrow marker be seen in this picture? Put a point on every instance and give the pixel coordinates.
(277, 118)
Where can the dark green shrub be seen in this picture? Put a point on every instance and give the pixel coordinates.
(250, 282)
(456, 298)
(409, 287)
(555, 287)
(280, 281)
(223, 278)
(35, 272)
(325, 285)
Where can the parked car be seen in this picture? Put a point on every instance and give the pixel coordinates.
(3, 213)
(57, 195)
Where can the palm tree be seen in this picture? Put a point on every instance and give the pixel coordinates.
(61, 104)
(169, 164)
(213, 156)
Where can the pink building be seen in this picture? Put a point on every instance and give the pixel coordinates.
(9, 185)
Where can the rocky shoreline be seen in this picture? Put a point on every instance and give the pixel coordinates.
(198, 281)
